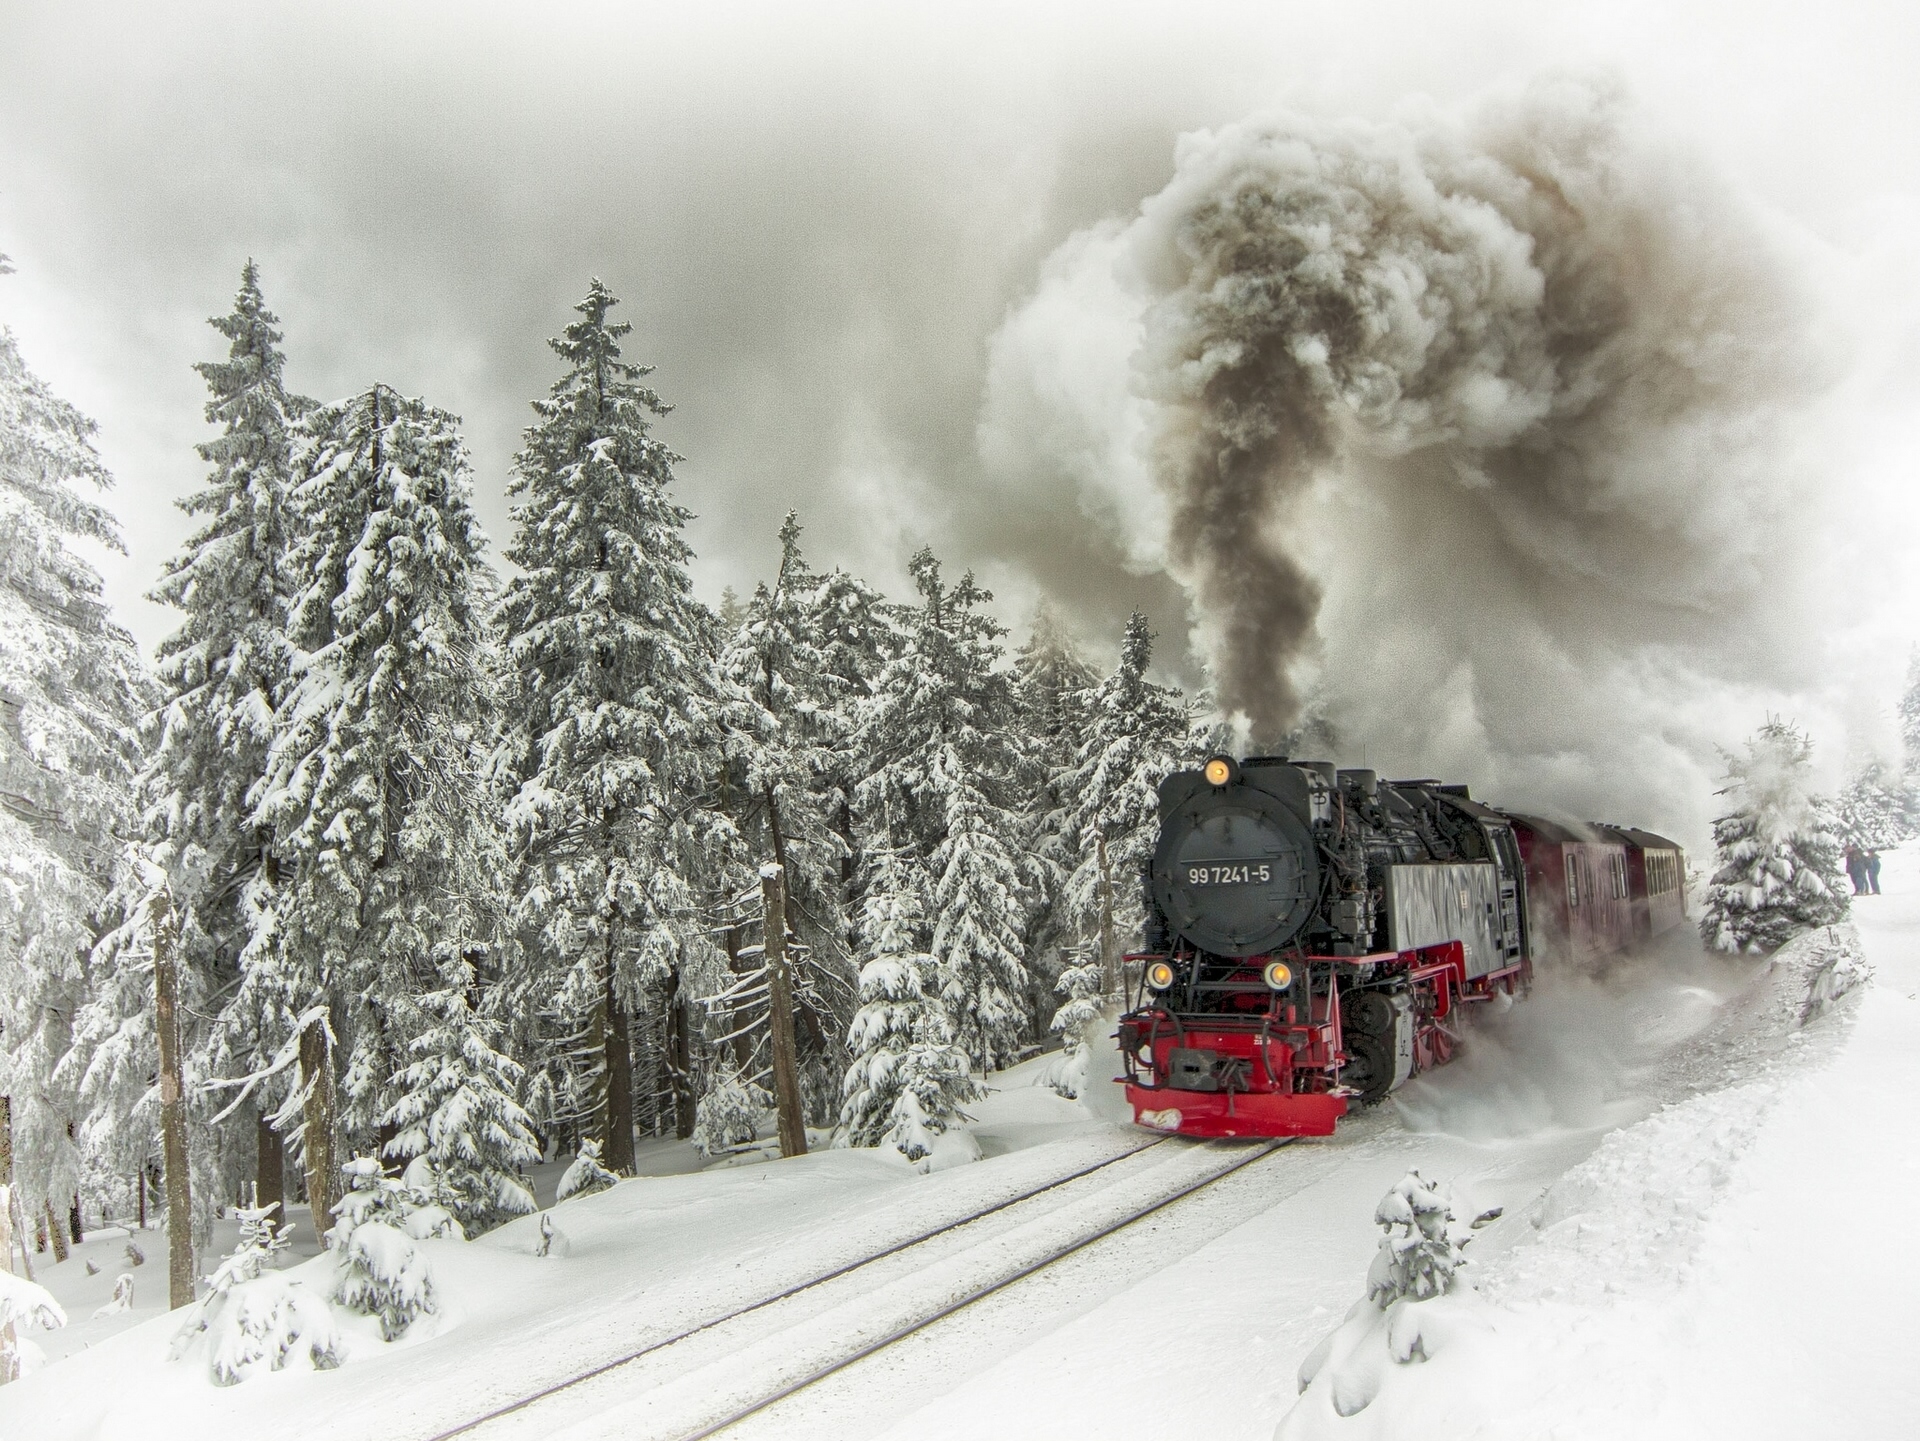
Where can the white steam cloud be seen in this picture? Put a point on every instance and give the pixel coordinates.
(1484, 438)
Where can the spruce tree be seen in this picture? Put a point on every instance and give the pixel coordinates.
(1876, 810)
(1909, 712)
(857, 635)
(456, 1109)
(224, 668)
(794, 804)
(907, 1080)
(1135, 734)
(1050, 683)
(372, 785)
(223, 672)
(1778, 863)
(943, 769)
(621, 722)
(72, 691)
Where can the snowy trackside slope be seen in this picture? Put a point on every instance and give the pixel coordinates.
(1728, 1267)
(645, 1258)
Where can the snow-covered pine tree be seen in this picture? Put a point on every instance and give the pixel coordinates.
(942, 768)
(900, 1039)
(385, 849)
(857, 636)
(72, 691)
(620, 730)
(224, 668)
(730, 1114)
(456, 1108)
(1082, 985)
(584, 1175)
(223, 672)
(1877, 809)
(219, 675)
(1909, 710)
(1778, 863)
(379, 1268)
(1050, 683)
(1135, 733)
(795, 787)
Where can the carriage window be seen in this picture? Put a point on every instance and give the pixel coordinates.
(1573, 881)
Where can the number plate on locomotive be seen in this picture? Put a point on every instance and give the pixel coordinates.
(1228, 873)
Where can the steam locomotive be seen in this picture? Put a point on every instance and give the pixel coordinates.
(1314, 935)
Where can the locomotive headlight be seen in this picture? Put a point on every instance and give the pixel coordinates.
(1159, 976)
(1279, 975)
(1218, 771)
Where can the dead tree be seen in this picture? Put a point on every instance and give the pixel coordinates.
(788, 1103)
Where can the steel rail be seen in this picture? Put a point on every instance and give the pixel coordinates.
(901, 1333)
(665, 1341)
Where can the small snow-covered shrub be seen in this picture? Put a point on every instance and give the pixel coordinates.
(585, 1175)
(1418, 1256)
(1398, 1321)
(254, 1319)
(122, 1298)
(553, 1241)
(268, 1320)
(23, 1304)
(1837, 966)
(381, 1270)
(1081, 1010)
(729, 1115)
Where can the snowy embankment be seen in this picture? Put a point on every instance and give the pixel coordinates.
(633, 1263)
(1732, 1266)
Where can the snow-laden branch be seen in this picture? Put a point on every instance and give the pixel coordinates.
(288, 1053)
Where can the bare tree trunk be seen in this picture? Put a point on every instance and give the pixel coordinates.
(9, 1355)
(57, 1236)
(679, 1057)
(736, 1017)
(269, 1167)
(1109, 965)
(786, 1075)
(173, 1104)
(20, 1233)
(316, 1075)
(619, 1083)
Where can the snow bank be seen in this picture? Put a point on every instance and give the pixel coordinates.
(1641, 1254)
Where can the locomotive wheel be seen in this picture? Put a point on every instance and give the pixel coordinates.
(1369, 1068)
(1370, 1013)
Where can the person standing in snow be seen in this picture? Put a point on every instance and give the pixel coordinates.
(1872, 866)
(1856, 868)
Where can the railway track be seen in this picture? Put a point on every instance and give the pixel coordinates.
(1006, 1203)
(712, 1375)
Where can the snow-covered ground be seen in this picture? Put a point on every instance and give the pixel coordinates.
(1702, 1204)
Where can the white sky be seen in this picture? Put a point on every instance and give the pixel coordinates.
(817, 216)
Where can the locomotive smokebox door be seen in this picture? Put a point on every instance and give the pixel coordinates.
(1236, 871)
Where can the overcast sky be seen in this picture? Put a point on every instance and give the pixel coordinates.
(817, 216)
